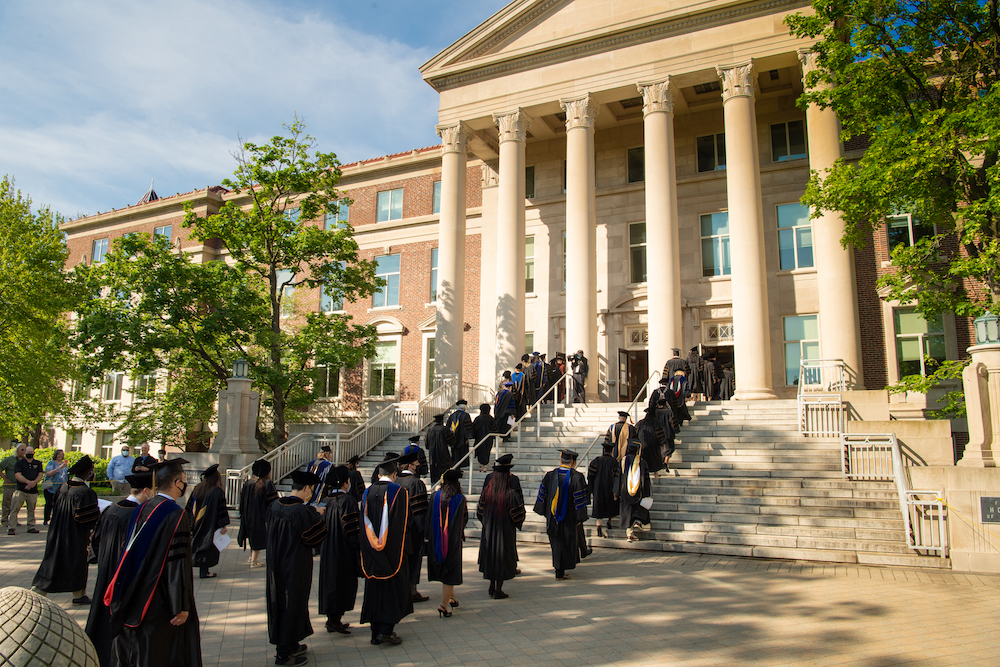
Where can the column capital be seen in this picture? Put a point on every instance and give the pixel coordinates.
(513, 125)
(490, 174)
(580, 112)
(454, 137)
(656, 96)
(808, 58)
(737, 80)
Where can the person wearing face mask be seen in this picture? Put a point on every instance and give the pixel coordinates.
(29, 474)
(7, 468)
(64, 566)
(154, 620)
(118, 467)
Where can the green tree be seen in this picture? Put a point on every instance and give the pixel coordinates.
(152, 307)
(35, 358)
(919, 80)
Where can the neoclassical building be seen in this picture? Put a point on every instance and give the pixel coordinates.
(620, 178)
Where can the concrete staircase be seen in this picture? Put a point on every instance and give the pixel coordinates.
(743, 482)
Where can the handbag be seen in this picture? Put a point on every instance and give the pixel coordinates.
(46, 484)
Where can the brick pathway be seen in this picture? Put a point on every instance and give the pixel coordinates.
(625, 608)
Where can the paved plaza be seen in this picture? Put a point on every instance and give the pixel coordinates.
(623, 608)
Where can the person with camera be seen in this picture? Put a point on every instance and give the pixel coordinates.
(579, 368)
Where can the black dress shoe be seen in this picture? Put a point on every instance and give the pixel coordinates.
(292, 660)
(81, 601)
(391, 638)
(338, 627)
(301, 650)
(32, 530)
(417, 597)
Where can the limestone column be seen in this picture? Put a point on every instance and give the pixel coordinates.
(513, 128)
(663, 260)
(839, 326)
(450, 318)
(751, 319)
(581, 235)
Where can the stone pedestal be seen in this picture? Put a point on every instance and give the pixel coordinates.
(981, 382)
(238, 408)
(36, 632)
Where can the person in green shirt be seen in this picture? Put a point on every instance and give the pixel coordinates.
(7, 466)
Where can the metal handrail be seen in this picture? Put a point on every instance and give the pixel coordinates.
(819, 404)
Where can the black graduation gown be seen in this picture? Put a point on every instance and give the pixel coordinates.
(108, 542)
(339, 565)
(253, 514)
(570, 510)
(500, 523)
(664, 419)
(293, 529)
(695, 378)
(521, 388)
(460, 424)
(439, 442)
(503, 408)
(676, 364)
(416, 527)
(728, 385)
(708, 378)
(445, 533)
(153, 583)
(387, 581)
(481, 427)
(64, 565)
(210, 514)
(619, 436)
(538, 380)
(651, 438)
(602, 486)
(629, 509)
(357, 484)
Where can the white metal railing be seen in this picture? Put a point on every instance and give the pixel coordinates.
(821, 412)
(285, 458)
(877, 456)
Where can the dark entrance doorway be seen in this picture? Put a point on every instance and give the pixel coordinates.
(633, 371)
(722, 354)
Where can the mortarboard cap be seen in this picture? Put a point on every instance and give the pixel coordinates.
(338, 475)
(325, 448)
(439, 419)
(568, 454)
(354, 459)
(461, 401)
(304, 478)
(414, 438)
(452, 475)
(211, 470)
(407, 458)
(676, 350)
(140, 480)
(623, 414)
(162, 468)
(260, 468)
(84, 465)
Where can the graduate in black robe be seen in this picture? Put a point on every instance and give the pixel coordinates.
(633, 488)
(708, 377)
(383, 556)
(504, 410)
(357, 479)
(255, 497)
(294, 528)
(562, 500)
(676, 363)
(389, 456)
(602, 486)
(416, 528)
(439, 444)
(448, 516)
(619, 434)
(695, 377)
(460, 424)
(64, 565)
(665, 419)
(340, 566)
(154, 620)
(500, 510)
(107, 542)
(520, 382)
(207, 506)
(651, 438)
(728, 385)
(482, 426)
(677, 393)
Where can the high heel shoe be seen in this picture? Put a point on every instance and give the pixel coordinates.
(599, 531)
(442, 612)
(453, 602)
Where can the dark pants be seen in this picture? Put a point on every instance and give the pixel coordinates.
(282, 651)
(416, 560)
(50, 501)
(384, 629)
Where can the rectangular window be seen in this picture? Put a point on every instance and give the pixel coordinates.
(788, 141)
(434, 275)
(339, 219)
(795, 244)
(529, 342)
(145, 386)
(99, 250)
(529, 182)
(529, 265)
(801, 342)
(920, 345)
(711, 152)
(74, 441)
(715, 244)
(111, 390)
(907, 230)
(326, 382)
(389, 205)
(106, 444)
(287, 292)
(382, 370)
(636, 165)
(436, 206)
(387, 267)
(637, 251)
(163, 231)
(430, 365)
(329, 300)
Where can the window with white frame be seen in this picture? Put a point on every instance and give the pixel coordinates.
(74, 441)
(430, 354)
(382, 370)
(436, 205)
(801, 342)
(111, 390)
(98, 250)
(636, 159)
(330, 301)
(326, 381)
(339, 219)
(287, 292)
(719, 333)
(920, 344)
(106, 444)
(711, 151)
(795, 243)
(529, 265)
(389, 205)
(637, 252)
(906, 230)
(715, 244)
(434, 275)
(145, 386)
(387, 267)
(163, 231)
(788, 141)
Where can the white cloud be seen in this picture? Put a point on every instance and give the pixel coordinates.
(98, 97)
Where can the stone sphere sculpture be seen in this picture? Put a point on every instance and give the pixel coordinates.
(36, 632)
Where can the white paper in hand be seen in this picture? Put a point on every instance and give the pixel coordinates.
(103, 504)
(646, 502)
(221, 540)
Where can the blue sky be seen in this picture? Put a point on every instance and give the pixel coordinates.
(98, 97)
